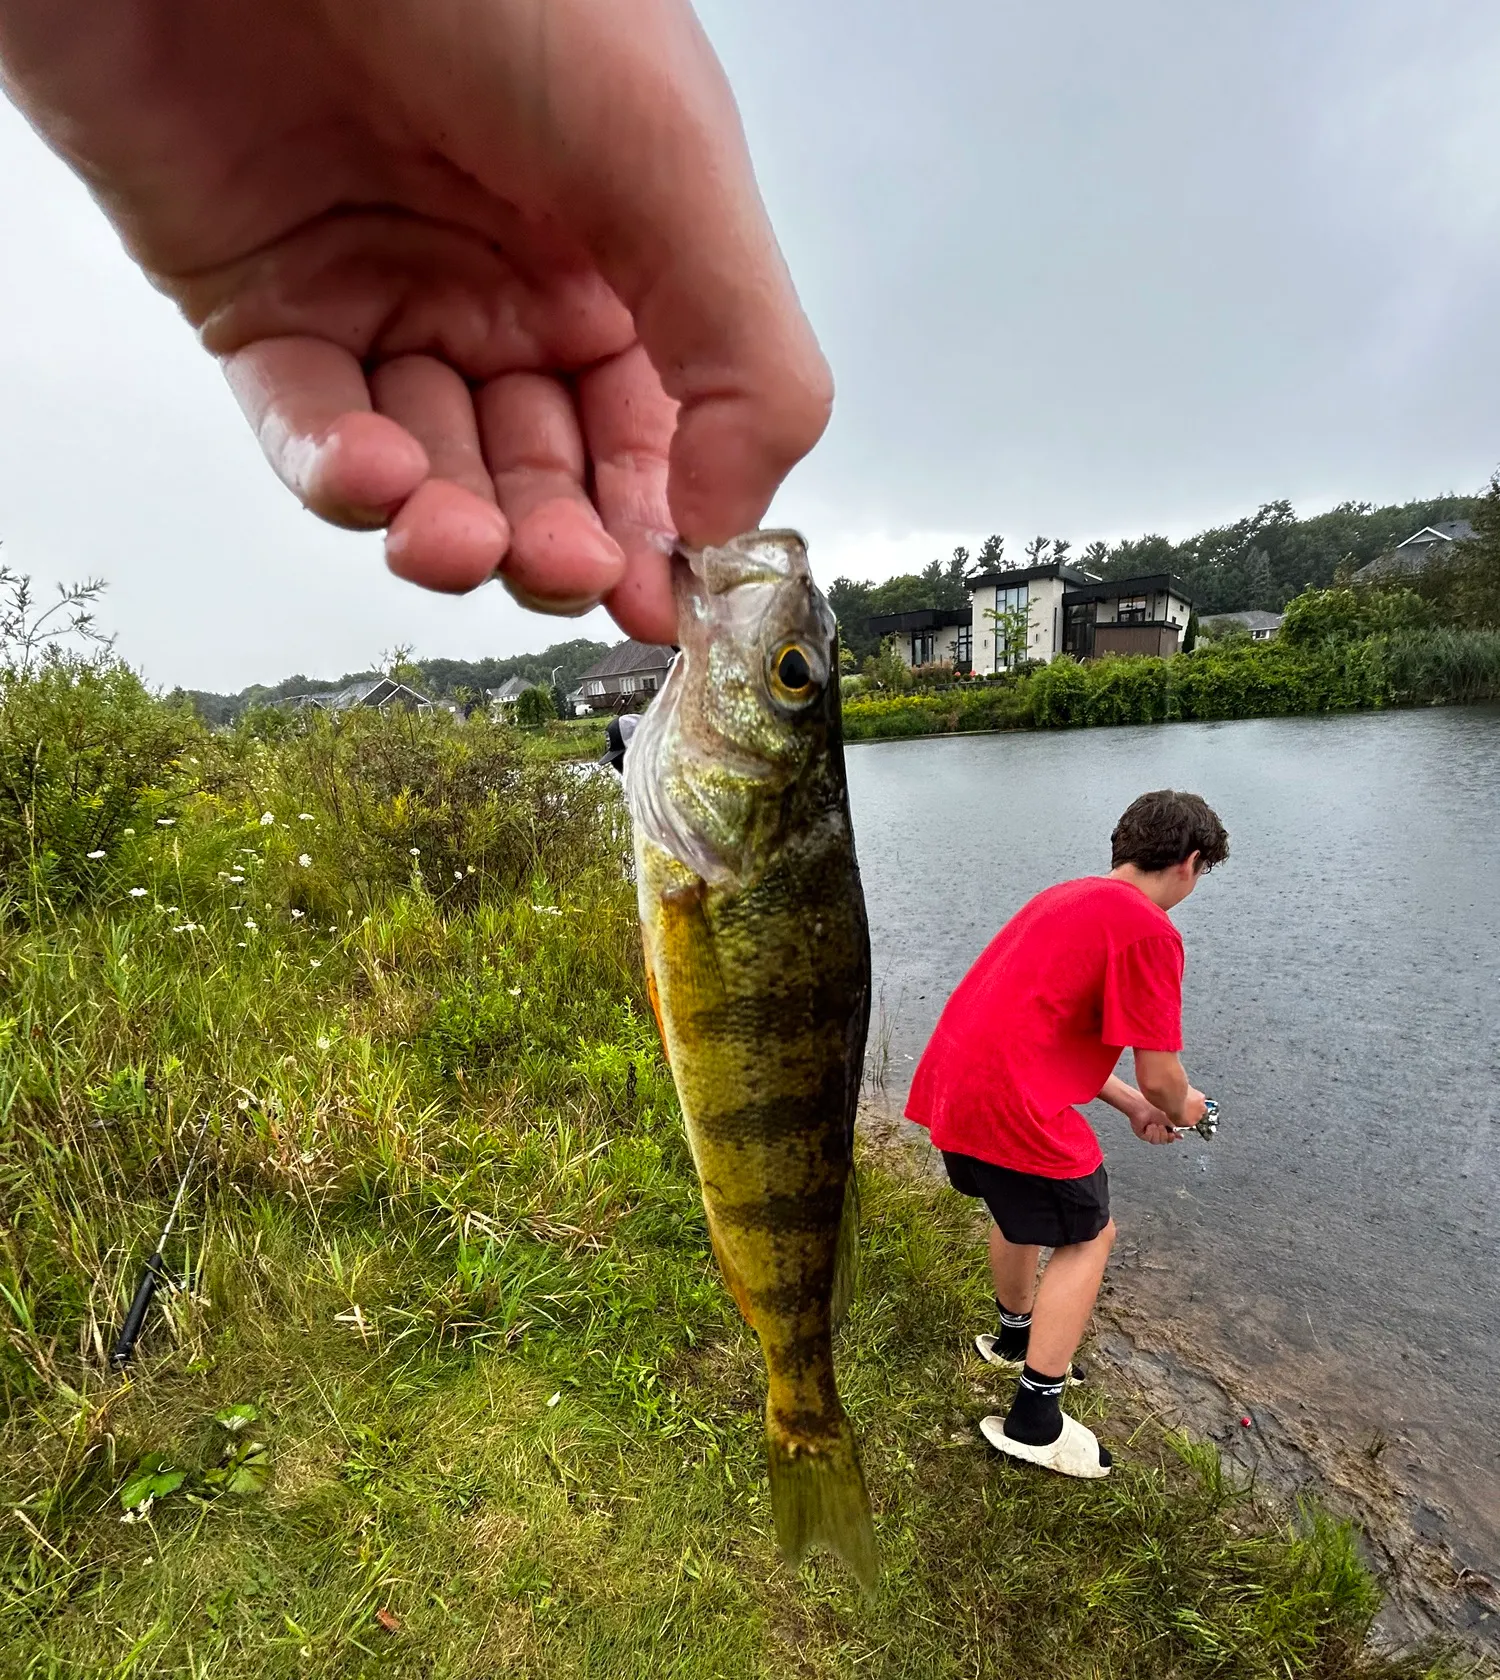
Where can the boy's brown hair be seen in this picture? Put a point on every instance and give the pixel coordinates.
(1161, 829)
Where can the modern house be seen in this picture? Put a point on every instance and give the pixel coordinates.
(1421, 548)
(381, 694)
(1259, 626)
(1038, 612)
(631, 672)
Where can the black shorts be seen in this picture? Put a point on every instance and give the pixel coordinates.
(1052, 1212)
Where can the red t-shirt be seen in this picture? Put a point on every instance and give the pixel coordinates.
(1080, 973)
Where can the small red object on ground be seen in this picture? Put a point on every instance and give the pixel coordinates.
(390, 1622)
(1244, 1423)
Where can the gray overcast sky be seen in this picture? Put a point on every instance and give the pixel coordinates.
(1085, 269)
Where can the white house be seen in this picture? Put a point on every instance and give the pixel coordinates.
(1259, 626)
(1038, 612)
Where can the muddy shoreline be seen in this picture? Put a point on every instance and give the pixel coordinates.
(1434, 1585)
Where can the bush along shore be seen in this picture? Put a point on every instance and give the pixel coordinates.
(1237, 678)
(447, 1385)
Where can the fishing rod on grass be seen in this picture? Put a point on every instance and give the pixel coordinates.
(156, 1272)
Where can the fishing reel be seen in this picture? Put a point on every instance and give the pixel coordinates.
(1208, 1125)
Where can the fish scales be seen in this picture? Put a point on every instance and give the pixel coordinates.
(757, 952)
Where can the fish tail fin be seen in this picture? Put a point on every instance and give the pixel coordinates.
(819, 1499)
(846, 1255)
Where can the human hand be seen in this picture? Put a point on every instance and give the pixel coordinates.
(1152, 1125)
(490, 274)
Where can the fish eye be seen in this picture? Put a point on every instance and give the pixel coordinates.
(792, 673)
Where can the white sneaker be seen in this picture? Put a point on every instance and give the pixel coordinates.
(988, 1348)
(1074, 1453)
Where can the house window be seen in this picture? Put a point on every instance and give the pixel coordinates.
(596, 688)
(963, 645)
(1131, 610)
(1010, 634)
(923, 647)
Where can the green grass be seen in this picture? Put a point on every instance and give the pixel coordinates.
(445, 1252)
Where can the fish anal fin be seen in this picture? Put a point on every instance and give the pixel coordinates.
(846, 1254)
(732, 1279)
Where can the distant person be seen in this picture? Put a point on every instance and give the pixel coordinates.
(617, 739)
(491, 275)
(1085, 970)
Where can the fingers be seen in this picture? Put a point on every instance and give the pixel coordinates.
(449, 535)
(561, 558)
(628, 421)
(309, 406)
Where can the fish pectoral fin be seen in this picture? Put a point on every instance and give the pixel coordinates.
(732, 1279)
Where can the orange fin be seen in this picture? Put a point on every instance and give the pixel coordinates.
(735, 1283)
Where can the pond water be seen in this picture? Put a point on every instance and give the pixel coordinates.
(1340, 1239)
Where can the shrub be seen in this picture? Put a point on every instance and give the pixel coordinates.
(535, 708)
(86, 752)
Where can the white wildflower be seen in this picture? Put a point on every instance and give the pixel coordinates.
(297, 915)
(249, 923)
(416, 851)
(515, 991)
(165, 822)
(137, 892)
(315, 963)
(244, 1102)
(323, 1043)
(129, 831)
(235, 880)
(555, 1398)
(458, 874)
(242, 945)
(304, 816)
(305, 861)
(267, 818)
(546, 909)
(96, 854)
(186, 927)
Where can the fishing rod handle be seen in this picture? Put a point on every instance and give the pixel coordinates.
(135, 1319)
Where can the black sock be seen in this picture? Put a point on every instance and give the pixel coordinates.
(1036, 1412)
(1015, 1332)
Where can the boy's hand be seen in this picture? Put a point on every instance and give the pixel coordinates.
(492, 275)
(1151, 1125)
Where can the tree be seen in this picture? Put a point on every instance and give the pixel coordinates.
(27, 631)
(1036, 550)
(887, 669)
(1012, 634)
(992, 554)
(1096, 557)
(534, 708)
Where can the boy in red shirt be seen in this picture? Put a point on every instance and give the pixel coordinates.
(1082, 972)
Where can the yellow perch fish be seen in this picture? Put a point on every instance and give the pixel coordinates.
(758, 960)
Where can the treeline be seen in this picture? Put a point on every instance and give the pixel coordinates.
(440, 679)
(1261, 561)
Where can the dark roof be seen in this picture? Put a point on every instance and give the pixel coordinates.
(1412, 555)
(924, 618)
(1448, 530)
(629, 657)
(1009, 576)
(511, 689)
(1153, 583)
(369, 691)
